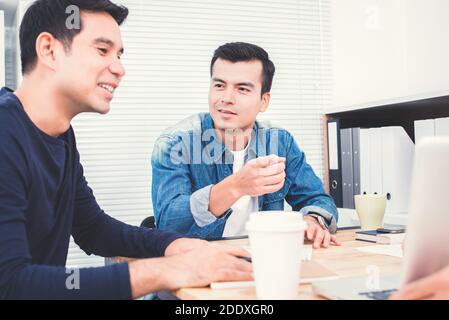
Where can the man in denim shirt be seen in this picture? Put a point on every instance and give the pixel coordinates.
(212, 169)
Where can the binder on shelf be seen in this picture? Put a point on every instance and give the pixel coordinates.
(374, 160)
(347, 170)
(365, 161)
(397, 165)
(442, 127)
(356, 160)
(386, 163)
(335, 185)
(424, 128)
(375, 168)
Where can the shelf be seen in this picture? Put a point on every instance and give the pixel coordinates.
(395, 112)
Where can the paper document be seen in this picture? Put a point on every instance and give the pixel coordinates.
(394, 250)
(306, 251)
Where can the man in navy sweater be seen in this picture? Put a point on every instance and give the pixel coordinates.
(44, 196)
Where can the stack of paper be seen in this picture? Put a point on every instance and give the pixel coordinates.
(389, 250)
(306, 251)
(382, 238)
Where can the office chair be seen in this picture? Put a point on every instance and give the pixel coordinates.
(148, 222)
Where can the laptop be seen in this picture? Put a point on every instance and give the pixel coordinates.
(426, 247)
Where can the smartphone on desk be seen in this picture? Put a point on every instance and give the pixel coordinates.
(391, 230)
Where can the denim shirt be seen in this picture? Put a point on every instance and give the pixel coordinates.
(189, 159)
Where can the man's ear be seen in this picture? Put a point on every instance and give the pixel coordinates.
(265, 101)
(45, 50)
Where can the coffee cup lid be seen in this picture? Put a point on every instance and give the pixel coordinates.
(275, 222)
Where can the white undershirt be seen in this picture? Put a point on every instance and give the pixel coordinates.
(235, 225)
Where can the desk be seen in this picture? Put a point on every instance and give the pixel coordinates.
(343, 260)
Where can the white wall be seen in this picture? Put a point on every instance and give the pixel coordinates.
(369, 50)
(385, 49)
(427, 45)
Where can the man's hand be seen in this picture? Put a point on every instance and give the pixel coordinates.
(195, 267)
(319, 236)
(433, 287)
(210, 263)
(183, 245)
(261, 176)
(258, 177)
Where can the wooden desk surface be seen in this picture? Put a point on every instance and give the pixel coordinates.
(343, 260)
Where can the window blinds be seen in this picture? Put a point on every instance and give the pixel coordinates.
(168, 47)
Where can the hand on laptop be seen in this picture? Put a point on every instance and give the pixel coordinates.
(206, 264)
(433, 287)
(319, 236)
(195, 267)
(182, 245)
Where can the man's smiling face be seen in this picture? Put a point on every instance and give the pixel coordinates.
(91, 70)
(235, 94)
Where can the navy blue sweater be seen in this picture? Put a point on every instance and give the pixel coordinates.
(44, 198)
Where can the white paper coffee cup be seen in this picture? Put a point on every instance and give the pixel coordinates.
(276, 241)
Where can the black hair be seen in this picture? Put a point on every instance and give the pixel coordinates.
(51, 16)
(242, 51)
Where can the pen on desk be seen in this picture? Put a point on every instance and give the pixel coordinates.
(227, 238)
